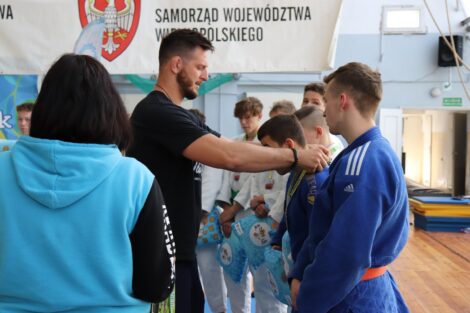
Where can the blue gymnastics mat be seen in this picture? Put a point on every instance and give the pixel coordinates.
(443, 200)
(441, 223)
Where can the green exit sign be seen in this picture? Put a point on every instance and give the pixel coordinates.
(452, 102)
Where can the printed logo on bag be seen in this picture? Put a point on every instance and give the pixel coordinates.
(259, 234)
(121, 18)
(238, 228)
(226, 253)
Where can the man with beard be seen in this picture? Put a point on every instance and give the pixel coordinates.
(172, 142)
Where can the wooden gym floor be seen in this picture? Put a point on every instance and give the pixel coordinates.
(433, 272)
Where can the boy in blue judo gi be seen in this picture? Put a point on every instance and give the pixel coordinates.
(302, 187)
(359, 224)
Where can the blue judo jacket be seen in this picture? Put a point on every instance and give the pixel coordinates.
(359, 221)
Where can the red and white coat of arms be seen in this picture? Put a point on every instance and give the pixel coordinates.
(121, 18)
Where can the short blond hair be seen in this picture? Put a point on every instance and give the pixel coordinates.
(284, 106)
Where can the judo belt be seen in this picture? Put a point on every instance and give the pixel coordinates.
(374, 272)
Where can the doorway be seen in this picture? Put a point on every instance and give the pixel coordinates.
(459, 153)
(417, 146)
(435, 148)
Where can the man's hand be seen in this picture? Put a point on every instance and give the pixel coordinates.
(257, 199)
(294, 291)
(261, 211)
(276, 247)
(314, 159)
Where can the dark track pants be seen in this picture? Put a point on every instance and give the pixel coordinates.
(189, 297)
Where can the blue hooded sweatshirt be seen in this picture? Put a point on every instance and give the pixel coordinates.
(67, 211)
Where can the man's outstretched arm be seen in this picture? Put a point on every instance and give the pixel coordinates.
(245, 157)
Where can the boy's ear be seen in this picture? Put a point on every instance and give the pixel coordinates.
(289, 143)
(344, 100)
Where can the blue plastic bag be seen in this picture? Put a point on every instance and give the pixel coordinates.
(277, 276)
(255, 236)
(210, 233)
(232, 258)
(286, 253)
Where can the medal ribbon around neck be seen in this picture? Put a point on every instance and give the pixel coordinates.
(294, 184)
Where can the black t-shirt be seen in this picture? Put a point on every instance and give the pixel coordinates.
(162, 130)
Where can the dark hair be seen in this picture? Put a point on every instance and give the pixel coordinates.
(250, 105)
(25, 107)
(199, 115)
(363, 84)
(285, 106)
(305, 111)
(281, 127)
(181, 42)
(315, 87)
(311, 116)
(79, 103)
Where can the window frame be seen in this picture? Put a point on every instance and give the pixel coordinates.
(421, 29)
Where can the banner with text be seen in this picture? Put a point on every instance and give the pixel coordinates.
(249, 36)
